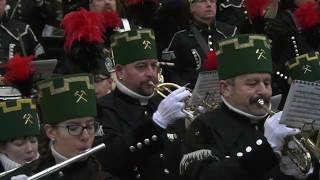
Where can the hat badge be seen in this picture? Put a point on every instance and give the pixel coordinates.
(146, 44)
(80, 96)
(28, 118)
(261, 53)
(306, 68)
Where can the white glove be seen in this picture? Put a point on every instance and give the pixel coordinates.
(170, 108)
(19, 177)
(275, 132)
(288, 167)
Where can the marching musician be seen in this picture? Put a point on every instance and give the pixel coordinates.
(16, 37)
(238, 140)
(192, 45)
(142, 135)
(18, 133)
(68, 109)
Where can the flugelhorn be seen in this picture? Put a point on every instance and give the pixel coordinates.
(67, 162)
(296, 147)
(165, 88)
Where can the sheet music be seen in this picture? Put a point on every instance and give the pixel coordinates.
(302, 107)
(206, 88)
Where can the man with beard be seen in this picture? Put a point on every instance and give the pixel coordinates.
(237, 141)
(141, 137)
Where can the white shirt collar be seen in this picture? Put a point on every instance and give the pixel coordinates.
(253, 118)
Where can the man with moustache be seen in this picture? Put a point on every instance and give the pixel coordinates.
(140, 133)
(237, 140)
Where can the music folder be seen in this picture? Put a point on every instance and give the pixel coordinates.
(44, 68)
(302, 107)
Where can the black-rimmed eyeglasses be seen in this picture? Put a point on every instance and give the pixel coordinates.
(76, 129)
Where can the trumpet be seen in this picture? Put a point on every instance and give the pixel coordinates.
(296, 147)
(67, 162)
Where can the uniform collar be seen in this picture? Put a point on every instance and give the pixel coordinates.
(7, 163)
(57, 156)
(201, 25)
(254, 119)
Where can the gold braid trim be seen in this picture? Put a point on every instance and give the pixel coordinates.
(65, 87)
(18, 106)
(237, 45)
(132, 38)
(306, 57)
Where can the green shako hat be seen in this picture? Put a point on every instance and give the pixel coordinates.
(134, 45)
(18, 118)
(305, 67)
(67, 97)
(243, 54)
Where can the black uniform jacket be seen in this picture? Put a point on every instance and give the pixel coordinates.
(89, 169)
(225, 145)
(136, 147)
(189, 56)
(9, 39)
(37, 16)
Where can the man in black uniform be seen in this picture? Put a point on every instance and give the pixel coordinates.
(16, 37)
(235, 141)
(190, 46)
(139, 133)
(36, 13)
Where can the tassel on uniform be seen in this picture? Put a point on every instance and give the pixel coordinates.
(210, 63)
(198, 155)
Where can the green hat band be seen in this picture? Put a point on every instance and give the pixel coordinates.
(67, 97)
(305, 67)
(18, 118)
(132, 46)
(243, 54)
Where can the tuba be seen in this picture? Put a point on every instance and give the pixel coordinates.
(298, 147)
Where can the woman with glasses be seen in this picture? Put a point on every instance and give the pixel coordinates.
(19, 127)
(68, 110)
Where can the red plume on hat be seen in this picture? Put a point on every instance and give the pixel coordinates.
(210, 62)
(19, 72)
(307, 15)
(87, 27)
(256, 7)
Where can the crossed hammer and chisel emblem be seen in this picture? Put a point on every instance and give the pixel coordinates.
(260, 53)
(27, 118)
(146, 44)
(306, 68)
(80, 96)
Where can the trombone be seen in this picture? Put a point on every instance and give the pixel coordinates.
(65, 163)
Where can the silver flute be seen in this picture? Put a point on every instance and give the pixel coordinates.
(76, 158)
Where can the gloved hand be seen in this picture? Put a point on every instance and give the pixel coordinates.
(19, 177)
(170, 108)
(276, 132)
(288, 167)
